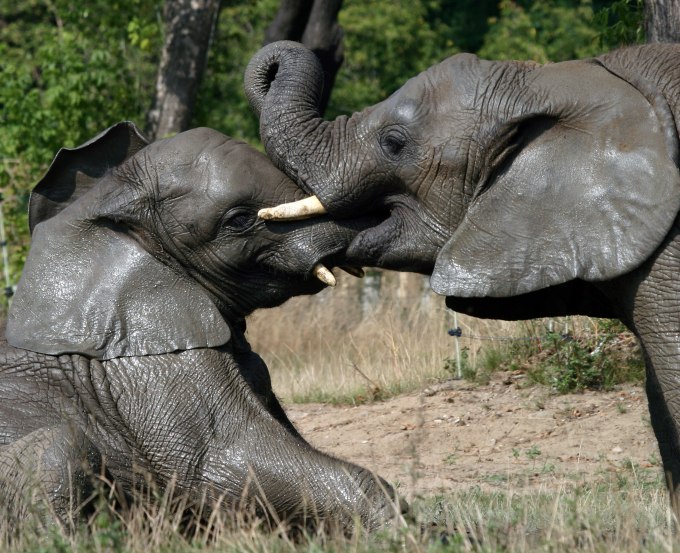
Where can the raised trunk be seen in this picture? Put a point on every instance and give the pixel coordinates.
(314, 24)
(284, 83)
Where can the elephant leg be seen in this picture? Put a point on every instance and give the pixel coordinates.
(291, 482)
(299, 482)
(651, 309)
(282, 477)
(47, 476)
(256, 374)
(369, 495)
(226, 445)
(662, 360)
(666, 432)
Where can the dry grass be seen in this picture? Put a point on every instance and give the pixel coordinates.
(632, 519)
(337, 346)
(341, 346)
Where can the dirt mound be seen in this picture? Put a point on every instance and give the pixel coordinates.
(456, 435)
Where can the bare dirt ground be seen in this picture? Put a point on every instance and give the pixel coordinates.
(503, 435)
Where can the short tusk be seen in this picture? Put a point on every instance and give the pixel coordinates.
(324, 275)
(354, 271)
(294, 211)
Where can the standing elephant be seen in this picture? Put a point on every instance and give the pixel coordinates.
(525, 190)
(125, 350)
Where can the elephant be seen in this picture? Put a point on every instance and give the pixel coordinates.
(523, 190)
(125, 356)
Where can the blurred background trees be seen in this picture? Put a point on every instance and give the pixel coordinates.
(71, 69)
(188, 29)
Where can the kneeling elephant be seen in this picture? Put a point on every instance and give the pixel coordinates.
(125, 352)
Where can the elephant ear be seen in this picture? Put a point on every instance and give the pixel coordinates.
(589, 191)
(90, 287)
(75, 170)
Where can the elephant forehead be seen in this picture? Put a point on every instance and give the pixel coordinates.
(407, 105)
(195, 177)
(187, 147)
(437, 98)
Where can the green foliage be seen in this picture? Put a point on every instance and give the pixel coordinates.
(462, 23)
(489, 360)
(595, 358)
(592, 361)
(575, 366)
(221, 102)
(385, 44)
(542, 31)
(467, 370)
(621, 23)
(69, 71)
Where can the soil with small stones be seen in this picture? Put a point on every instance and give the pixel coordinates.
(502, 435)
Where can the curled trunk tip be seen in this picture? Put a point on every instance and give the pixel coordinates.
(282, 60)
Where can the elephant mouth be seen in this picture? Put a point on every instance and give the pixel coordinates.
(395, 242)
(335, 253)
(371, 246)
(321, 270)
(323, 248)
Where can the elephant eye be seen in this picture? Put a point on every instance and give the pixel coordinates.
(393, 142)
(239, 219)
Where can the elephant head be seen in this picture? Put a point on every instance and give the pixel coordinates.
(498, 178)
(142, 248)
(145, 259)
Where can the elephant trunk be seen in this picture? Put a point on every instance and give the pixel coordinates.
(284, 84)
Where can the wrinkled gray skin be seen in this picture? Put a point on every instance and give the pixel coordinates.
(524, 190)
(125, 352)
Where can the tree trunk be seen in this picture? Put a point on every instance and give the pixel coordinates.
(189, 26)
(662, 20)
(289, 22)
(314, 23)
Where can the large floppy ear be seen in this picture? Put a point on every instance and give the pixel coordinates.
(75, 170)
(90, 287)
(589, 192)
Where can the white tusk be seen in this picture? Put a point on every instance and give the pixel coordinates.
(323, 274)
(293, 211)
(354, 271)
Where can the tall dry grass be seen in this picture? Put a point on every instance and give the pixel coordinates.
(634, 518)
(339, 346)
(344, 345)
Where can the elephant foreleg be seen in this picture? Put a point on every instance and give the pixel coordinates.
(666, 432)
(46, 476)
(662, 361)
(652, 311)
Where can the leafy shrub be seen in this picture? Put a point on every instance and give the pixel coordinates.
(68, 72)
(592, 358)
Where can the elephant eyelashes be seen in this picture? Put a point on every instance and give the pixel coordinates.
(239, 220)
